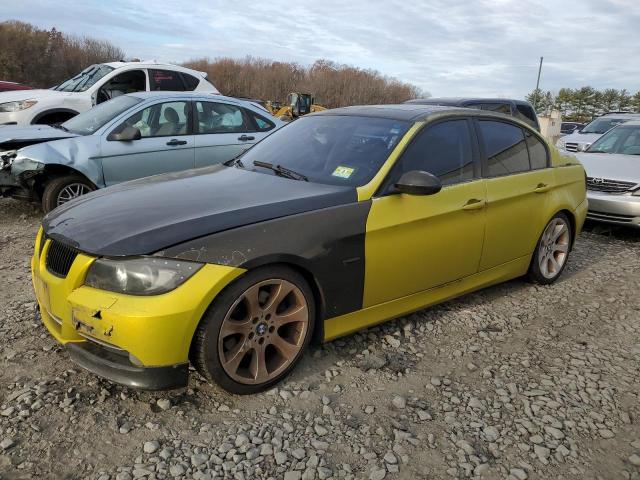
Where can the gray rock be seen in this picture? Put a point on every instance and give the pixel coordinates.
(280, 458)
(399, 402)
(177, 470)
(163, 404)
(378, 474)
(320, 430)
(151, 447)
(390, 458)
(635, 460)
(6, 444)
(293, 475)
(518, 473)
(491, 434)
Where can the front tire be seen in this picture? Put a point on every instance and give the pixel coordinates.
(62, 189)
(552, 251)
(255, 331)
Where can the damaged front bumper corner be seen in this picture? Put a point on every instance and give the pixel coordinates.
(17, 177)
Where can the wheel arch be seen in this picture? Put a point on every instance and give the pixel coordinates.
(63, 112)
(55, 170)
(572, 219)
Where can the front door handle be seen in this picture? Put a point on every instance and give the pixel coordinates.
(541, 188)
(245, 138)
(474, 204)
(174, 141)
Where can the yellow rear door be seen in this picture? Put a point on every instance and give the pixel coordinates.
(518, 179)
(417, 242)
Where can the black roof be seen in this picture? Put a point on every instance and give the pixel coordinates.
(461, 101)
(404, 112)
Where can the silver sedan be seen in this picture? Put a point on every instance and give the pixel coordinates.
(129, 137)
(612, 164)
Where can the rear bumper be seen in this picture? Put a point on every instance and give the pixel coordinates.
(116, 367)
(614, 209)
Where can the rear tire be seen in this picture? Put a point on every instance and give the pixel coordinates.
(255, 331)
(62, 189)
(552, 251)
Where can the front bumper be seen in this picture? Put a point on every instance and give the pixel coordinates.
(133, 340)
(614, 209)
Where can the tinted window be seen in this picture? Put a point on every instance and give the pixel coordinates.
(527, 115)
(213, 117)
(190, 81)
(505, 148)
(443, 150)
(538, 156)
(331, 149)
(504, 108)
(261, 123)
(160, 120)
(165, 80)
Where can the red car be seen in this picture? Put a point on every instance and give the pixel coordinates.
(7, 86)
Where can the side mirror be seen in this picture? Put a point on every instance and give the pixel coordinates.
(417, 182)
(127, 134)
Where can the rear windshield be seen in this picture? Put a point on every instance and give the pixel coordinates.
(330, 149)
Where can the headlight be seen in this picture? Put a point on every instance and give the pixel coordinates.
(636, 193)
(583, 147)
(17, 106)
(139, 276)
(6, 158)
(560, 144)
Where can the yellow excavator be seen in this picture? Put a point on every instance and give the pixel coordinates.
(297, 104)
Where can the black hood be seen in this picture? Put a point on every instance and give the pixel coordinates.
(150, 214)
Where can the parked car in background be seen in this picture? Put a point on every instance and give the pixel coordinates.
(339, 221)
(131, 136)
(581, 140)
(515, 108)
(567, 128)
(10, 86)
(94, 85)
(612, 164)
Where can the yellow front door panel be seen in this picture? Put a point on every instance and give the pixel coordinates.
(416, 242)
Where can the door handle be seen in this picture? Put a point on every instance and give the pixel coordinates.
(174, 141)
(244, 138)
(474, 204)
(541, 188)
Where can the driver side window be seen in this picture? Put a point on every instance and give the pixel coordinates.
(444, 150)
(127, 82)
(160, 120)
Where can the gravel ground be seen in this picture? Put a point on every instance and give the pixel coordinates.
(516, 381)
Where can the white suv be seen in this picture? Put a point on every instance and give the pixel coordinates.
(96, 84)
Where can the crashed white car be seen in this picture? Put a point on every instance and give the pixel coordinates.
(96, 84)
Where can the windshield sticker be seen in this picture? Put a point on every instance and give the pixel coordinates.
(343, 172)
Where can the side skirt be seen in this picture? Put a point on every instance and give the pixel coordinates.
(368, 317)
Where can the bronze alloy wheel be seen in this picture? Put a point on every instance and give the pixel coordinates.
(554, 247)
(263, 331)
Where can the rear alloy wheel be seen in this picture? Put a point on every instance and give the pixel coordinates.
(552, 251)
(63, 189)
(256, 331)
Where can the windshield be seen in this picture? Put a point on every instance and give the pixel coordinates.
(623, 139)
(90, 121)
(603, 124)
(84, 79)
(330, 149)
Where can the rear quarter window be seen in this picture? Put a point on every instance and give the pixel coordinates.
(190, 82)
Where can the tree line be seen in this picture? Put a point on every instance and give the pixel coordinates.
(332, 84)
(44, 58)
(585, 103)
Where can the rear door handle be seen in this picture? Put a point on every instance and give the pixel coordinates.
(474, 204)
(245, 138)
(541, 188)
(174, 141)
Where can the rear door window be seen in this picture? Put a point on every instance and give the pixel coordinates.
(505, 148)
(165, 80)
(215, 117)
(538, 155)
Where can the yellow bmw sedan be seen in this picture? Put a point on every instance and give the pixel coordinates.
(336, 222)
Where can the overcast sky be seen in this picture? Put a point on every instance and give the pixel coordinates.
(446, 47)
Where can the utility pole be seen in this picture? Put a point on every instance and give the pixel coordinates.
(535, 102)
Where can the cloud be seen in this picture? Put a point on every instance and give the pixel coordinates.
(449, 48)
